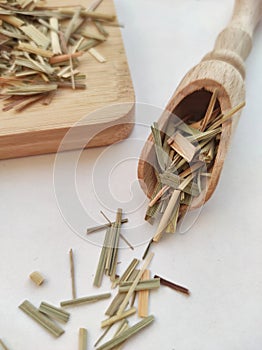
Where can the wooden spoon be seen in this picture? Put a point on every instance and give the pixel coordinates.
(221, 69)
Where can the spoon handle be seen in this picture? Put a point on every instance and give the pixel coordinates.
(234, 43)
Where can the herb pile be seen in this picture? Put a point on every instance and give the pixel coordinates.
(185, 156)
(41, 49)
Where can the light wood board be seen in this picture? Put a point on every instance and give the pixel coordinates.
(40, 129)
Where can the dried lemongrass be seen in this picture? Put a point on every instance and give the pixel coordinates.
(72, 273)
(143, 297)
(38, 41)
(102, 260)
(37, 278)
(108, 322)
(102, 335)
(85, 300)
(123, 336)
(183, 147)
(101, 227)
(147, 284)
(172, 285)
(82, 341)
(93, 52)
(127, 273)
(181, 161)
(205, 121)
(134, 284)
(108, 256)
(35, 50)
(114, 306)
(34, 34)
(54, 312)
(13, 20)
(40, 318)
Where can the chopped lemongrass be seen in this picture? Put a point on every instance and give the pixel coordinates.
(29, 89)
(108, 322)
(82, 342)
(54, 312)
(134, 284)
(102, 261)
(89, 14)
(93, 52)
(35, 50)
(183, 147)
(205, 121)
(121, 327)
(54, 36)
(37, 278)
(127, 273)
(40, 318)
(147, 248)
(167, 216)
(13, 20)
(123, 336)
(65, 57)
(42, 40)
(72, 273)
(114, 306)
(71, 24)
(102, 335)
(162, 156)
(85, 300)
(152, 283)
(34, 34)
(101, 227)
(172, 285)
(143, 297)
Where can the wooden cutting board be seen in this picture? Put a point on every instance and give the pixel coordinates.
(40, 129)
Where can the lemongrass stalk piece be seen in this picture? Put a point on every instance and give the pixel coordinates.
(37, 278)
(148, 284)
(97, 55)
(123, 336)
(54, 312)
(132, 288)
(143, 297)
(82, 342)
(72, 273)
(40, 318)
(108, 322)
(85, 300)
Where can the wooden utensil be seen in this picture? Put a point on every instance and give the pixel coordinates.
(221, 69)
(40, 129)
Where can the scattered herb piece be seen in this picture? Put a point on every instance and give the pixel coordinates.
(108, 322)
(40, 318)
(123, 336)
(72, 273)
(82, 339)
(37, 278)
(85, 300)
(143, 297)
(172, 285)
(54, 312)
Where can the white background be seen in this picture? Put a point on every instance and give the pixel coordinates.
(219, 259)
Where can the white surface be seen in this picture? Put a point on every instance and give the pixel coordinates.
(219, 258)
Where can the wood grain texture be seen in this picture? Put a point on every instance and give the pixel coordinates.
(222, 69)
(40, 129)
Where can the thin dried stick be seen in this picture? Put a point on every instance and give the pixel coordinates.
(72, 273)
(143, 297)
